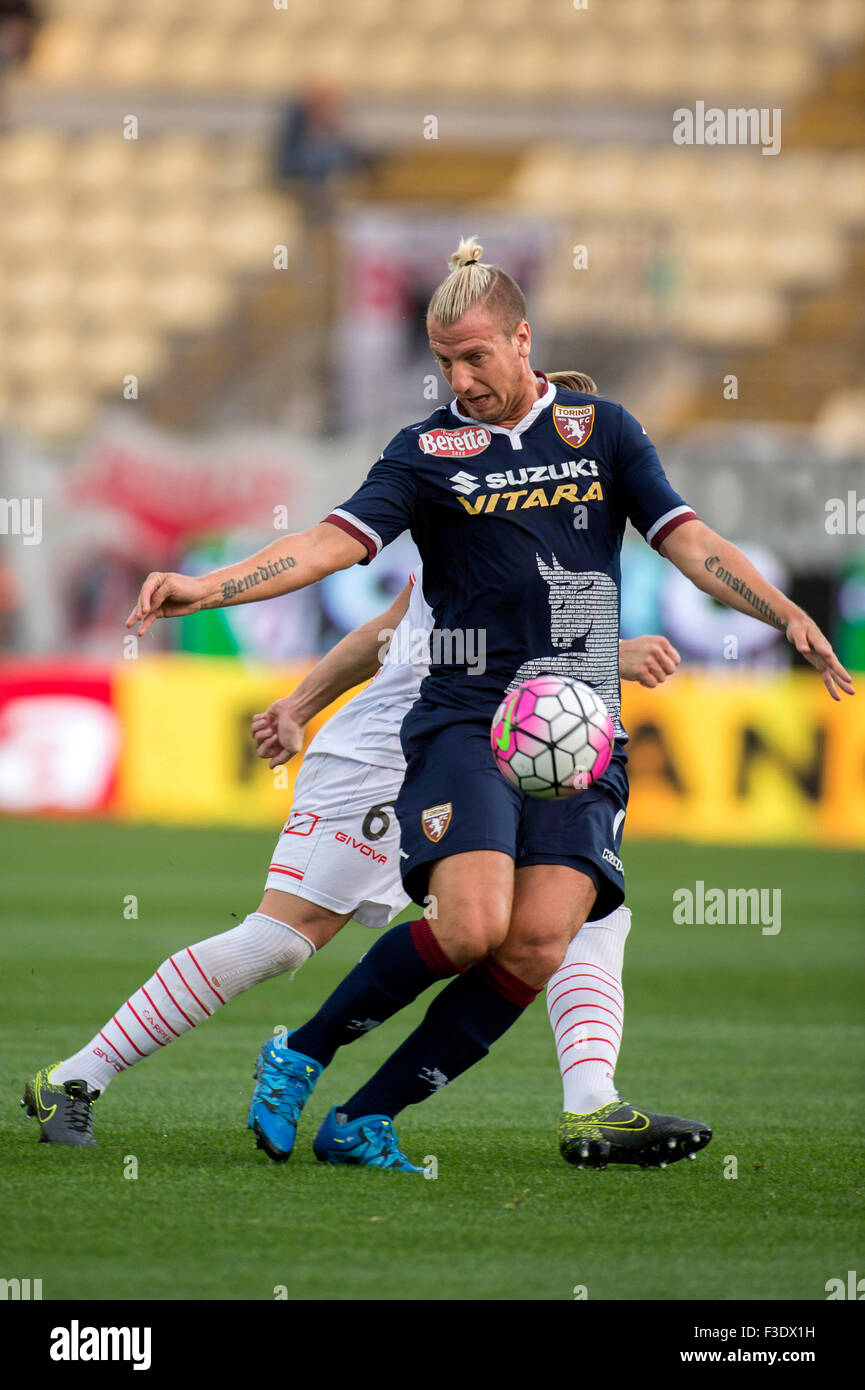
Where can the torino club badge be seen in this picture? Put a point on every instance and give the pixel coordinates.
(436, 819)
(574, 423)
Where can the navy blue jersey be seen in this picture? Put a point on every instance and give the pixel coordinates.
(520, 533)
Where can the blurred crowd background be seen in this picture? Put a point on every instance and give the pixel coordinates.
(219, 227)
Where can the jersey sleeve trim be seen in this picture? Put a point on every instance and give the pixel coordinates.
(667, 523)
(359, 530)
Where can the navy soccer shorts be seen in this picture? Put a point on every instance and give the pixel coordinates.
(454, 799)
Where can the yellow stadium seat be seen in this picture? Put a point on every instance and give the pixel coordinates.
(666, 182)
(244, 234)
(238, 165)
(580, 68)
(188, 301)
(41, 294)
(91, 12)
(605, 180)
(840, 423)
(771, 18)
(522, 68)
(129, 55)
(779, 73)
(29, 158)
(62, 53)
(113, 296)
(541, 178)
(106, 358)
(800, 257)
(654, 67)
(32, 224)
(263, 63)
(724, 256)
(63, 412)
(103, 230)
(841, 180)
(635, 18)
(435, 66)
(732, 182)
(101, 161)
(374, 15)
(730, 317)
(42, 353)
(174, 163)
(196, 57)
(225, 14)
(174, 230)
(161, 13)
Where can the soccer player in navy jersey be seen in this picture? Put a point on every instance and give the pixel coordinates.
(517, 495)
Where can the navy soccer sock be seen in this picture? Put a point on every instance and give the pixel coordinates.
(403, 963)
(460, 1027)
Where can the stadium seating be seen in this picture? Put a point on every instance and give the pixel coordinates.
(611, 48)
(110, 246)
(137, 244)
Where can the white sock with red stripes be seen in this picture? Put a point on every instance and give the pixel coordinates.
(587, 1009)
(187, 988)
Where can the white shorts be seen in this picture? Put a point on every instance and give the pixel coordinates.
(339, 847)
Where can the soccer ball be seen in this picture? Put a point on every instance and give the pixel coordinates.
(552, 736)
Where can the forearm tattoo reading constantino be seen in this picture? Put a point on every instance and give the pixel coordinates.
(716, 569)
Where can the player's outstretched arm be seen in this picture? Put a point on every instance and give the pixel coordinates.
(649, 660)
(287, 564)
(278, 732)
(720, 569)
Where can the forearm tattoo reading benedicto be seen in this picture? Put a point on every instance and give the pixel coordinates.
(232, 587)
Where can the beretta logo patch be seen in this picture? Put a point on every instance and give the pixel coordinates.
(456, 444)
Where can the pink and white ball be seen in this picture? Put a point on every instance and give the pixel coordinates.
(552, 736)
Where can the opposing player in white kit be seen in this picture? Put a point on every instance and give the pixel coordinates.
(336, 859)
(341, 848)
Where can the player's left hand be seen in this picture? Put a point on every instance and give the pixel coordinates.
(649, 660)
(804, 634)
(165, 596)
(277, 732)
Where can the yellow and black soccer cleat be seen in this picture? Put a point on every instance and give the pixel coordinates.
(64, 1109)
(620, 1133)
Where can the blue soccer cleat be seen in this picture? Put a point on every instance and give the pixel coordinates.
(283, 1084)
(369, 1142)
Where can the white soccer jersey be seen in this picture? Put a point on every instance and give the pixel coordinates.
(367, 728)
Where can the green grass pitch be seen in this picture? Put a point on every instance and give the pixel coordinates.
(759, 1035)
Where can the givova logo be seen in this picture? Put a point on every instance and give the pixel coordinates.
(77, 1343)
